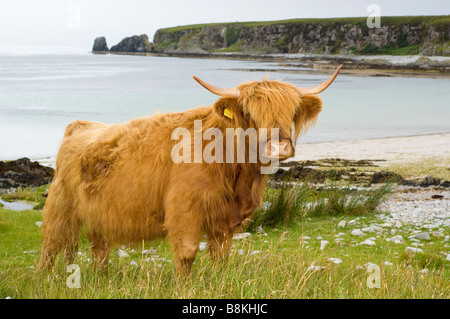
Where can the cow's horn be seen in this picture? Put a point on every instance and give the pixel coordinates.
(231, 92)
(321, 87)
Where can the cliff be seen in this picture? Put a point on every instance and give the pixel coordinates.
(424, 35)
(133, 44)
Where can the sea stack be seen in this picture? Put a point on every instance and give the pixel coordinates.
(100, 45)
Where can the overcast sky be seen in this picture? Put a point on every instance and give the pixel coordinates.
(79, 22)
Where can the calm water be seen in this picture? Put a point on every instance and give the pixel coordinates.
(41, 93)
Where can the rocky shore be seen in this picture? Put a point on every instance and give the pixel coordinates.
(24, 173)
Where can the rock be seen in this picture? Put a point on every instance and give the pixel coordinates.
(437, 234)
(313, 268)
(335, 260)
(387, 263)
(398, 224)
(429, 181)
(323, 243)
(424, 271)
(376, 228)
(437, 196)
(24, 173)
(149, 252)
(414, 250)
(368, 242)
(241, 235)
(357, 232)
(38, 224)
(423, 236)
(341, 224)
(368, 230)
(100, 44)
(396, 239)
(133, 263)
(133, 44)
(202, 246)
(445, 184)
(430, 226)
(121, 253)
(384, 176)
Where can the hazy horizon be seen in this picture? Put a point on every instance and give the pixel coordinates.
(77, 23)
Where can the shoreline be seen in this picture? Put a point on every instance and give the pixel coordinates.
(386, 151)
(357, 65)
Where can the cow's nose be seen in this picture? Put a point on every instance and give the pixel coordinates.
(282, 148)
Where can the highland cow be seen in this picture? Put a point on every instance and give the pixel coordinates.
(121, 181)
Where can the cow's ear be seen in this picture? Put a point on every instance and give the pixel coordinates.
(306, 114)
(227, 108)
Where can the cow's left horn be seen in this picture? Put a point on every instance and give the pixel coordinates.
(231, 92)
(321, 87)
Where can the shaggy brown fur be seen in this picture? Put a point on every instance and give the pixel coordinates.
(120, 180)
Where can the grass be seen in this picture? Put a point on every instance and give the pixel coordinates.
(395, 21)
(273, 263)
(438, 167)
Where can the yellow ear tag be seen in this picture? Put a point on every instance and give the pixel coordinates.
(228, 113)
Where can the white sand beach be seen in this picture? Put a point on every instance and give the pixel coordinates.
(391, 150)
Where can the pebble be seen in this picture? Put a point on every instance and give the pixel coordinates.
(149, 252)
(323, 243)
(341, 224)
(335, 260)
(38, 224)
(437, 234)
(202, 245)
(368, 230)
(122, 253)
(387, 263)
(312, 267)
(357, 232)
(133, 263)
(423, 236)
(414, 250)
(368, 242)
(241, 235)
(396, 239)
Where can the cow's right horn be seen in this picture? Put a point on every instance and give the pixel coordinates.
(321, 87)
(231, 92)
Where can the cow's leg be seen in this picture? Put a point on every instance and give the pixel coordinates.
(60, 229)
(184, 233)
(100, 249)
(219, 243)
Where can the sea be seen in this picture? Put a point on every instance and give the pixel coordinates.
(43, 90)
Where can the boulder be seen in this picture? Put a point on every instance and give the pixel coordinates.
(100, 44)
(384, 176)
(429, 181)
(24, 173)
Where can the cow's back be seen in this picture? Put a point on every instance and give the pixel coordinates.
(114, 176)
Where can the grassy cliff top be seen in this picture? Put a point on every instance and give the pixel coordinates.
(394, 20)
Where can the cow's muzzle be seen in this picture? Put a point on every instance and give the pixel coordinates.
(281, 149)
